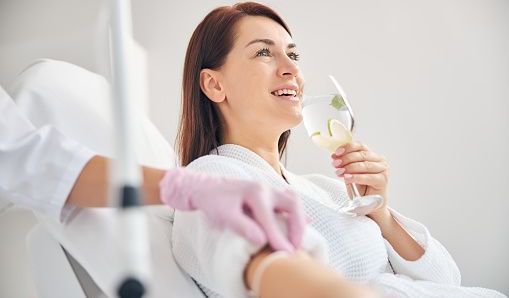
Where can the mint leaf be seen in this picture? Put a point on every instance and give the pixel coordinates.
(337, 102)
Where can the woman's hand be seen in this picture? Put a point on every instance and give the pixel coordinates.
(370, 171)
(250, 209)
(355, 163)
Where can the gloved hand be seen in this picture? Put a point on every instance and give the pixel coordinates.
(246, 207)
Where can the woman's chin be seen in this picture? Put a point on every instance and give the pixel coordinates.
(294, 119)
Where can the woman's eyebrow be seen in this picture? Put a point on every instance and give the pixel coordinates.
(269, 42)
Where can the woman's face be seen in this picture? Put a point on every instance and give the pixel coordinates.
(259, 70)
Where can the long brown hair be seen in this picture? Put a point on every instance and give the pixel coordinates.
(200, 126)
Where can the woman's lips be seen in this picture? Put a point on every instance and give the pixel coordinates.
(288, 97)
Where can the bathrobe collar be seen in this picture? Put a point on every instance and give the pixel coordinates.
(252, 159)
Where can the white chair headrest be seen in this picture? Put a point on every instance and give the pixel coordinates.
(77, 102)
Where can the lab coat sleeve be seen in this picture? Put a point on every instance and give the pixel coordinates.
(436, 264)
(38, 166)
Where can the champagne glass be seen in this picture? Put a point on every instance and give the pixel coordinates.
(329, 122)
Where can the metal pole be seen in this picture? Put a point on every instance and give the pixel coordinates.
(133, 226)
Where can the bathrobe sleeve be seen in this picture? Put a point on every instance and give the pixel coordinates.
(436, 264)
(216, 258)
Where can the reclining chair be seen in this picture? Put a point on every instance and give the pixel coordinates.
(79, 257)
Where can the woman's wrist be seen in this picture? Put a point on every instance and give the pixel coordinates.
(402, 242)
(381, 216)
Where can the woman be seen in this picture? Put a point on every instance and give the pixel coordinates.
(241, 96)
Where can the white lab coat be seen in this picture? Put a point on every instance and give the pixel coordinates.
(38, 166)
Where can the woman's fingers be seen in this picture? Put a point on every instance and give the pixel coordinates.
(363, 167)
(355, 156)
(373, 180)
(358, 165)
(351, 147)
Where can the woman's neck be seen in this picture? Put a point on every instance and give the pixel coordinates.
(266, 147)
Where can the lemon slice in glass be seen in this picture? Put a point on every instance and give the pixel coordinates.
(338, 135)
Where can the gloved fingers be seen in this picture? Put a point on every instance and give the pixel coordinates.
(265, 215)
(247, 227)
(170, 189)
(286, 201)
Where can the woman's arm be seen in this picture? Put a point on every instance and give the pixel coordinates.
(400, 240)
(223, 263)
(356, 163)
(91, 187)
(436, 264)
(300, 276)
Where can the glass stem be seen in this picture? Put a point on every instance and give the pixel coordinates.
(355, 191)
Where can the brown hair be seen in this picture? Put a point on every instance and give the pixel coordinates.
(199, 127)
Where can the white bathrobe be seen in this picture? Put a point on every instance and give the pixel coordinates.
(353, 246)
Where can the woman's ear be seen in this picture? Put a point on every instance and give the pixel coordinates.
(211, 85)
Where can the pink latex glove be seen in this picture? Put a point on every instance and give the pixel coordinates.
(246, 207)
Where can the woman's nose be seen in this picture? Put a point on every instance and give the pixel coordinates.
(288, 67)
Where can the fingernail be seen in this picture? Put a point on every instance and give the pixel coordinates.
(348, 176)
(340, 171)
(340, 151)
(337, 162)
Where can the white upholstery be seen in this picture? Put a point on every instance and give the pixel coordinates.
(44, 251)
(76, 101)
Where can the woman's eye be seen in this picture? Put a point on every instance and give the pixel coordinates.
(294, 56)
(263, 52)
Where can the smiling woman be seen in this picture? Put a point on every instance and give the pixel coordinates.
(247, 83)
(242, 93)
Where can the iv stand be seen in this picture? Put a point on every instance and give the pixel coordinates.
(133, 226)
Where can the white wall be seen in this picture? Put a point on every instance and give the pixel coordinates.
(428, 81)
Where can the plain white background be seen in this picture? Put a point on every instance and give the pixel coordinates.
(428, 80)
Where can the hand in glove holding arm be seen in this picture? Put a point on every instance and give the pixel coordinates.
(246, 207)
